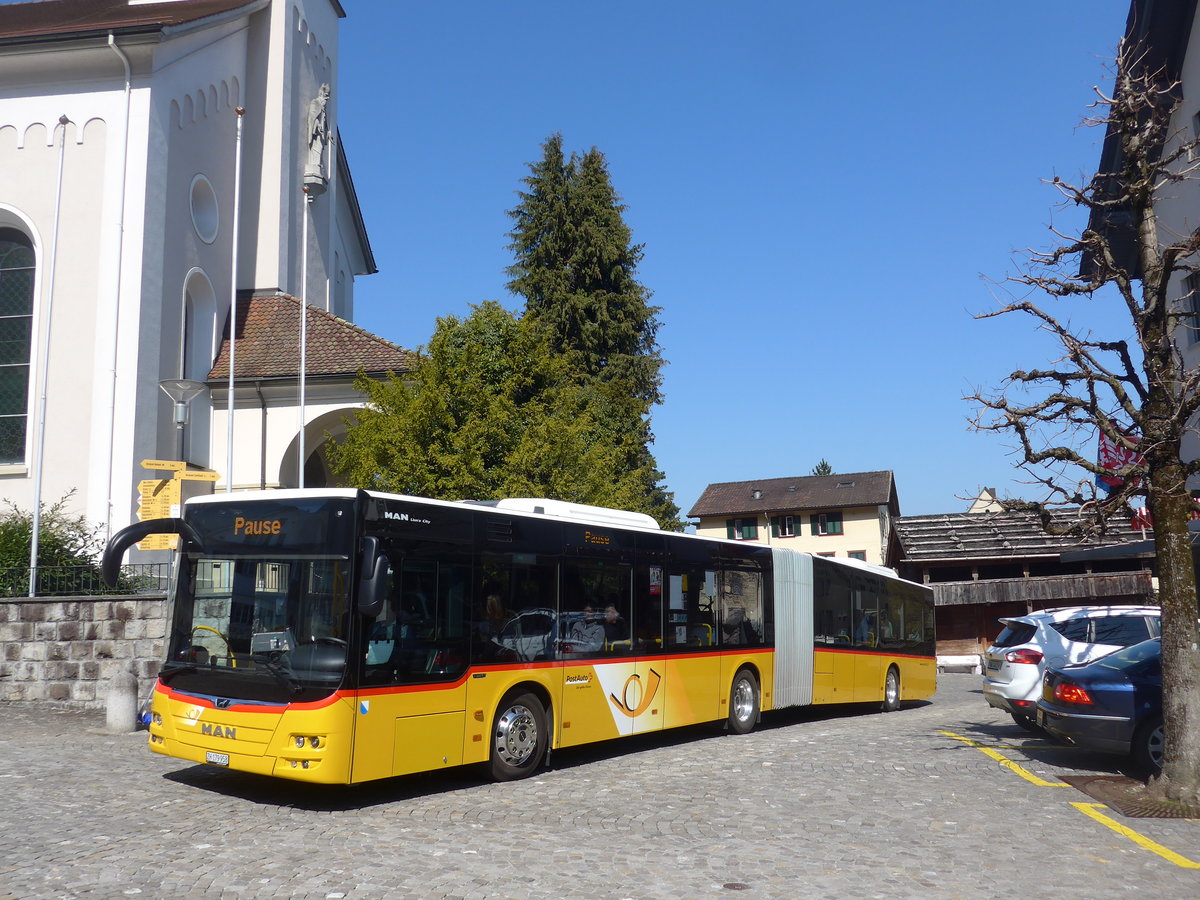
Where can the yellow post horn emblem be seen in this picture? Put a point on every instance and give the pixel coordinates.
(653, 680)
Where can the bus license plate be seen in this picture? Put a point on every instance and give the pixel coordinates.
(216, 759)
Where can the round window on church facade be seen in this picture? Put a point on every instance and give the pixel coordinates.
(205, 215)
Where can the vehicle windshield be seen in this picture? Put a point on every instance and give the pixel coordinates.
(256, 617)
(1122, 659)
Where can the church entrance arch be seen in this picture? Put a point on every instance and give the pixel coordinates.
(317, 434)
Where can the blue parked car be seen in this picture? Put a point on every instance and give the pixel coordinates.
(1112, 705)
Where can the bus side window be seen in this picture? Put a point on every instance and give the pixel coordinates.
(648, 626)
(866, 611)
(381, 634)
(691, 594)
(514, 609)
(831, 605)
(605, 588)
(741, 607)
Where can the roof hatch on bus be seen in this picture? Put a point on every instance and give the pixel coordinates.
(579, 512)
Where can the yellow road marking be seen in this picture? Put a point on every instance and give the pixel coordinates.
(1090, 809)
(1005, 761)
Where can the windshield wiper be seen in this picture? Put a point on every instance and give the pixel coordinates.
(281, 672)
(165, 674)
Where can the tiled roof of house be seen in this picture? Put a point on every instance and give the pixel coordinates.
(51, 18)
(268, 343)
(1004, 535)
(769, 495)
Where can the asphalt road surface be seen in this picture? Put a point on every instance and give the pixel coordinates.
(942, 799)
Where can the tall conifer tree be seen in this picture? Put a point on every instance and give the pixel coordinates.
(576, 267)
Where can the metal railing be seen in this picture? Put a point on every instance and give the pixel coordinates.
(78, 581)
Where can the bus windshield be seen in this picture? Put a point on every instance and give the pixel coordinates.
(253, 621)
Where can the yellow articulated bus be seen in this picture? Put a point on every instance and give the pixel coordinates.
(340, 636)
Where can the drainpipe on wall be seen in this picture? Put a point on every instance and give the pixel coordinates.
(303, 334)
(332, 206)
(262, 455)
(233, 277)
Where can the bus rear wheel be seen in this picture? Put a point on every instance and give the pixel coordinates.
(891, 690)
(519, 737)
(743, 703)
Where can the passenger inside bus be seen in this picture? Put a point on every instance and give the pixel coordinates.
(494, 613)
(588, 633)
(615, 628)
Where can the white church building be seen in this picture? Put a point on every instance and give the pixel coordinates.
(165, 162)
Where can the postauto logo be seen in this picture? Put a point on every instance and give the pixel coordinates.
(629, 693)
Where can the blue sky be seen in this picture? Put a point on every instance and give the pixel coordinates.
(826, 194)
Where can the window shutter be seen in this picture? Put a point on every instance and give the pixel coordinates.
(774, 526)
(814, 522)
(730, 530)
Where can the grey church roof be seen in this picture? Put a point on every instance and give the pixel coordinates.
(767, 495)
(1005, 535)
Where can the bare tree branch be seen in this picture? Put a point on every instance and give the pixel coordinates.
(1137, 395)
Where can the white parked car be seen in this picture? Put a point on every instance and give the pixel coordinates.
(1028, 645)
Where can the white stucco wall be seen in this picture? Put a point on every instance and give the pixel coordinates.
(128, 252)
(79, 262)
(269, 460)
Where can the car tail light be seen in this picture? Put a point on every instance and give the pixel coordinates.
(1071, 693)
(1024, 655)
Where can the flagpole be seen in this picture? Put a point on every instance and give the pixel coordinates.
(303, 333)
(233, 276)
(39, 452)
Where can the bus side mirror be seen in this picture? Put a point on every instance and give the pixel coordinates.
(114, 552)
(372, 582)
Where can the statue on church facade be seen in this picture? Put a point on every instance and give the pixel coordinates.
(318, 137)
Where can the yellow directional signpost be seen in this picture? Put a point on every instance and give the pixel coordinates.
(161, 498)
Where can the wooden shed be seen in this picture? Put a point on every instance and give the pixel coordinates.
(985, 565)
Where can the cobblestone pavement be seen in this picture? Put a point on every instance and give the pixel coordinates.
(815, 803)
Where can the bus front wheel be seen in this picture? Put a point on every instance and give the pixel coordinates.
(743, 703)
(519, 737)
(891, 690)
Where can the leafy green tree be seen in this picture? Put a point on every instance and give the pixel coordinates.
(553, 403)
(822, 468)
(489, 411)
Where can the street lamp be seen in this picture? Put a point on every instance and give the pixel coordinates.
(182, 391)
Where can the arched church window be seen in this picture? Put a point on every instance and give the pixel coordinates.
(17, 269)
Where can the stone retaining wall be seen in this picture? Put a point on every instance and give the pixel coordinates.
(67, 649)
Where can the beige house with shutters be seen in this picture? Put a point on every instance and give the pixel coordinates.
(848, 516)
